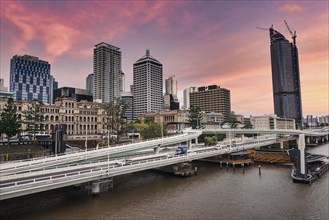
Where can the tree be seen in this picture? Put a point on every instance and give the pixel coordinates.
(115, 121)
(195, 117)
(154, 130)
(209, 141)
(147, 131)
(33, 118)
(9, 120)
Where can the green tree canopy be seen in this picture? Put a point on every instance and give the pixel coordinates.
(33, 118)
(115, 121)
(209, 141)
(9, 120)
(195, 117)
(154, 130)
(150, 130)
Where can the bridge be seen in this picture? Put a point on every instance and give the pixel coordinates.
(307, 133)
(41, 174)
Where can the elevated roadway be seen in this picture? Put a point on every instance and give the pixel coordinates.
(30, 176)
(318, 133)
(43, 162)
(32, 182)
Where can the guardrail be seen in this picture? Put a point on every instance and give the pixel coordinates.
(29, 183)
(24, 165)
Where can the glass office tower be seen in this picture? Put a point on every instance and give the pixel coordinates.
(285, 78)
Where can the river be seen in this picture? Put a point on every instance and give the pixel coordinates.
(213, 194)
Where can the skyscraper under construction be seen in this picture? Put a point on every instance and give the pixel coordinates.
(285, 76)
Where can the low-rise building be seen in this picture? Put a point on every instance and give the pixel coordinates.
(272, 122)
(174, 119)
(81, 118)
(324, 119)
(212, 120)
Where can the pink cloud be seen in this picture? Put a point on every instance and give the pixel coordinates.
(45, 27)
(291, 7)
(63, 33)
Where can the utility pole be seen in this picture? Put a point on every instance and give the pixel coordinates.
(86, 139)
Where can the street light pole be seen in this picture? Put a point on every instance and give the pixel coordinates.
(162, 129)
(230, 137)
(108, 138)
(197, 123)
(86, 139)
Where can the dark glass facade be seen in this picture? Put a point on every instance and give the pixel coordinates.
(285, 78)
(30, 79)
(69, 92)
(128, 100)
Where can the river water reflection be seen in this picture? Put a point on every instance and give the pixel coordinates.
(213, 194)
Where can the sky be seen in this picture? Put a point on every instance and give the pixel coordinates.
(200, 42)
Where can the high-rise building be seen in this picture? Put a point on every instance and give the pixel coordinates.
(107, 72)
(30, 79)
(285, 77)
(70, 92)
(170, 100)
(171, 85)
(148, 85)
(53, 87)
(90, 83)
(212, 99)
(324, 119)
(2, 85)
(4, 90)
(128, 100)
(186, 96)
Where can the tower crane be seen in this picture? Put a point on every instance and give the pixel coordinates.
(293, 34)
(264, 29)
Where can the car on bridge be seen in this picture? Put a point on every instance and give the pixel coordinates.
(181, 150)
(120, 162)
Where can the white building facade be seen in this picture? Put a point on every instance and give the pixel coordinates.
(107, 72)
(148, 85)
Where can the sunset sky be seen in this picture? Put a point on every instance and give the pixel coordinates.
(200, 42)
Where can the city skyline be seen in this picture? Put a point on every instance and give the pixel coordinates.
(202, 43)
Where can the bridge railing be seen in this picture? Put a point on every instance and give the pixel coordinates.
(100, 152)
(102, 169)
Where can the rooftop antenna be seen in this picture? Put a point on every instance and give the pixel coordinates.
(293, 34)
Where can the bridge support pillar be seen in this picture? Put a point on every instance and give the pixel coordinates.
(301, 148)
(95, 189)
(189, 144)
(196, 141)
(157, 150)
(281, 144)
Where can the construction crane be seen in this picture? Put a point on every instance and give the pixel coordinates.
(293, 34)
(264, 29)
